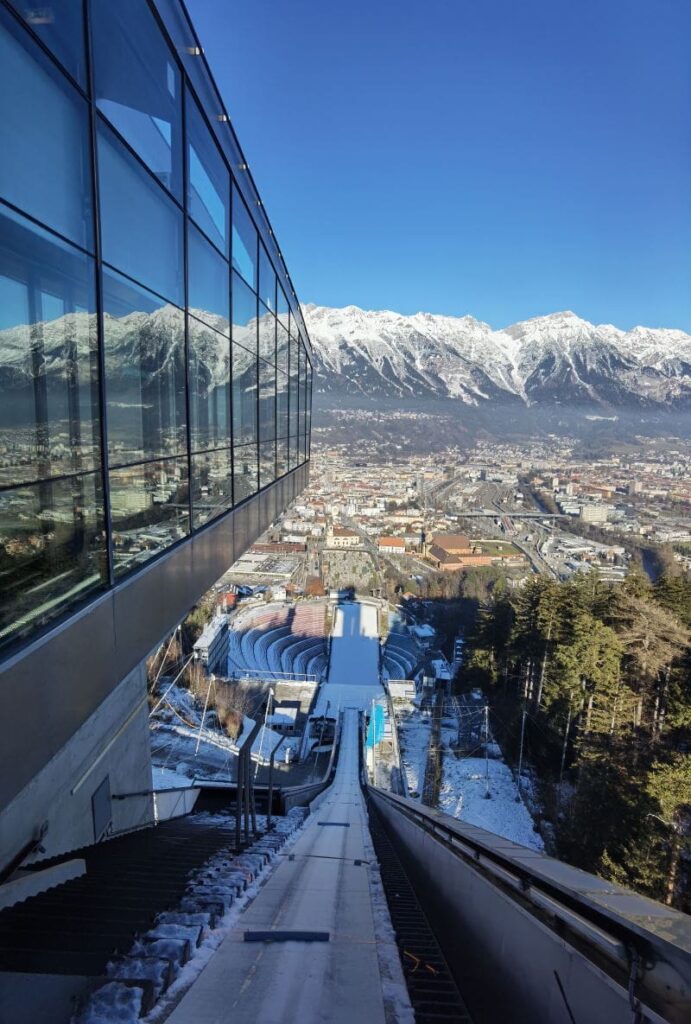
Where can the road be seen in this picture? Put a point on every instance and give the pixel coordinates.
(324, 887)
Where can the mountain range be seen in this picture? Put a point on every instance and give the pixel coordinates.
(554, 360)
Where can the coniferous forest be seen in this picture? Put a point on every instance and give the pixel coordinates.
(597, 679)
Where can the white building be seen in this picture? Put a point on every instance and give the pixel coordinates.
(212, 646)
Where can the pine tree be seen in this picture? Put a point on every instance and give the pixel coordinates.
(673, 592)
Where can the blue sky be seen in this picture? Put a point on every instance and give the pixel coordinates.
(494, 157)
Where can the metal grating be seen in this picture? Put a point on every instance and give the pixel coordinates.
(431, 987)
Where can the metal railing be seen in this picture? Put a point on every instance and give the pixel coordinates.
(641, 944)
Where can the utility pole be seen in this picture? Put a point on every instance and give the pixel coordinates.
(488, 795)
(520, 756)
(565, 743)
(212, 680)
(267, 712)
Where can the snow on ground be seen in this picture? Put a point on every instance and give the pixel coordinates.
(167, 778)
(175, 741)
(413, 737)
(354, 670)
(117, 1003)
(463, 796)
(464, 783)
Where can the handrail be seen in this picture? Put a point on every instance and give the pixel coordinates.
(580, 895)
(30, 847)
(152, 792)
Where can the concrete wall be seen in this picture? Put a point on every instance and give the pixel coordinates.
(66, 694)
(113, 742)
(508, 964)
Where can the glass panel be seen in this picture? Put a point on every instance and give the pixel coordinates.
(209, 384)
(267, 401)
(293, 422)
(245, 472)
(266, 327)
(293, 452)
(281, 458)
(281, 404)
(144, 342)
(150, 510)
(267, 280)
(308, 413)
(49, 418)
(267, 463)
(244, 241)
(209, 287)
(44, 138)
(244, 314)
(137, 85)
(282, 309)
(292, 356)
(244, 395)
(302, 395)
(52, 550)
(211, 486)
(282, 348)
(301, 448)
(208, 196)
(296, 325)
(60, 25)
(141, 228)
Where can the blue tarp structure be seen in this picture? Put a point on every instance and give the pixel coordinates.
(375, 730)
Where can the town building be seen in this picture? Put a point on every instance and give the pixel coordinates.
(593, 513)
(211, 649)
(391, 545)
(340, 537)
(452, 551)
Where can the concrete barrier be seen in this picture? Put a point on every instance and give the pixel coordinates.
(530, 939)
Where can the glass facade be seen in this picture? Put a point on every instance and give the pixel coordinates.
(154, 372)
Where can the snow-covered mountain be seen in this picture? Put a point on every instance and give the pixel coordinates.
(556, 359)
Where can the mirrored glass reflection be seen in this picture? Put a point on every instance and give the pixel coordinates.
(208, 192)
(267, 401)
(267, 463)
(282, 307)
(293, 408)
(149, 507)
(141, 227)
(244, 241)
(282, 348)
(212, 485)
(266, 331)
(282, 457)
(52, 550)
(144, 340)
(49, 418)
(267, 280)
(44, 138)
(209, 387)
(281, 404)
(137, 85)
(209, 285)
(60, 25)
(244, 314)
(244, 395)
(245, 472)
